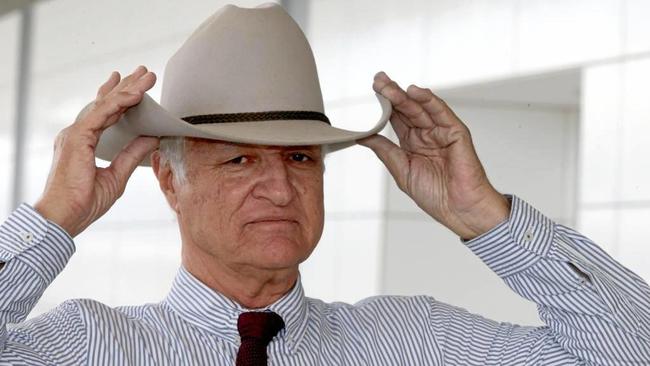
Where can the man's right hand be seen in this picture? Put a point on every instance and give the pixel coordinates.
(78, 192)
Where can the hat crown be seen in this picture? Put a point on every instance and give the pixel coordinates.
(240, 61)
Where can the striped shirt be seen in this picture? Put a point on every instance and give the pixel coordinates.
(596, 311)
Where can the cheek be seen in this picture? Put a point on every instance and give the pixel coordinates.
(208, 217)
(315, 191)
(216, 191)
(205, 197)
(199, 201)
(217, 201)
(311, 193)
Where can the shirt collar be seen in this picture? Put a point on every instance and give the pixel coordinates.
(212, 311)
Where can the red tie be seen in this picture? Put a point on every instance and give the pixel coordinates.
(256, 330)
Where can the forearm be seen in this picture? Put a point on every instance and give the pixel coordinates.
(595, 308)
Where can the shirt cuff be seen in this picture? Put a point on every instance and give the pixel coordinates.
(41, 244)
(517, 243)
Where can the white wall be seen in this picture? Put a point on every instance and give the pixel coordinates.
(614, 201)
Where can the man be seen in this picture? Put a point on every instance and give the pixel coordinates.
(245, 181)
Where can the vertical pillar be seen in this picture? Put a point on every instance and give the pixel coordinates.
(22, 95)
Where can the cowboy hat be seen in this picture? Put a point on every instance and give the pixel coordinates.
(244, 76)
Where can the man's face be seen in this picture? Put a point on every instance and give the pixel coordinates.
(251, 205)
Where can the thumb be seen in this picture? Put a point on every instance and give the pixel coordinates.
(394, 157)
(128, 159)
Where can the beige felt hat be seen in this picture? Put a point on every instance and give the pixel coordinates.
(246, 76)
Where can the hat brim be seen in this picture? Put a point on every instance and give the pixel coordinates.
(149, 118)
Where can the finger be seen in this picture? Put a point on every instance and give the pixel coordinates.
(414, 114)
(106, 111)
(411, 111)
(134, 76)
(438, 110)
(394, 158)
(399, 126)
(144, 83)
(128, 159)
(387, 87)
(112, 81)
(380, 80)
(397, 121)
(391, 92)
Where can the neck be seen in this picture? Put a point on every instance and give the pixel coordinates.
(252, 288)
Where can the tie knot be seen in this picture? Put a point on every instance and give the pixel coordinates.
(261, 326)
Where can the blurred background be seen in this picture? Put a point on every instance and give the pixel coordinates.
(555, 93)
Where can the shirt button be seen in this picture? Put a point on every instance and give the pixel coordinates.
(528, 235)
(27, 237)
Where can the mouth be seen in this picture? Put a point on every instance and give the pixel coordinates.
(272, 221)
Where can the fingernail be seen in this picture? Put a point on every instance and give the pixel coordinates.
(138, 69)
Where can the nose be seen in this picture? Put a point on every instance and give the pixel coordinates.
(273, 182)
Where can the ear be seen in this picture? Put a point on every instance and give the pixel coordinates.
(166, 180)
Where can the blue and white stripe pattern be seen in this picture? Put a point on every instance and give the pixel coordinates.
(596, 312)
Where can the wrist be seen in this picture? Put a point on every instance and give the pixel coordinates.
(489, 214)
(52, 213)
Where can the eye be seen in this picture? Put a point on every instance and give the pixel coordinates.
(238, 160)
(300, 157)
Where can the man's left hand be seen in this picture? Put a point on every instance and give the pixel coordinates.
(436, 163)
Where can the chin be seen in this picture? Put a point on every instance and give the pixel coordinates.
(280, 252)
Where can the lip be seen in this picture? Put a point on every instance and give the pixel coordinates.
(274, 224)
(273, 220)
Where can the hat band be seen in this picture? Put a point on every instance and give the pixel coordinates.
(256, 116)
